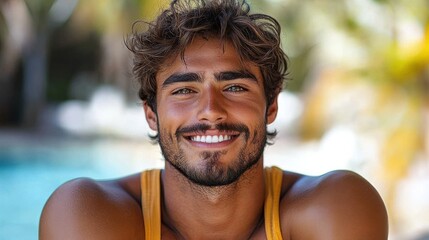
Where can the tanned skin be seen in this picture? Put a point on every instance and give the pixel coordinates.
(339, 205)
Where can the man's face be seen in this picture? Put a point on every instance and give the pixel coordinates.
(211, 113)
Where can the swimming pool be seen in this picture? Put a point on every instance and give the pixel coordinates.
(31, 171)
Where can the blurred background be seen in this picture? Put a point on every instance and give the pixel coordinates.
(357, 99)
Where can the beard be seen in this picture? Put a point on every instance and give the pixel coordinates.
(209, 170)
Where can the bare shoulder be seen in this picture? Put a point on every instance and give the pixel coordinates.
(337, 205)
(87, 209)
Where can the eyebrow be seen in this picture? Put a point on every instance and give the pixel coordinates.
(181, 77)
(231, 75)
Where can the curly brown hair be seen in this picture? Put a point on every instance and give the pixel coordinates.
(256, 37)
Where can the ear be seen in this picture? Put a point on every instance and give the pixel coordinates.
(272, 111)
(151, 117)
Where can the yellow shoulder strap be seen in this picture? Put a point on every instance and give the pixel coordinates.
(151, 203)
(273, 186)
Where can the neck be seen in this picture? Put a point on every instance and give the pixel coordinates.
(227, 212)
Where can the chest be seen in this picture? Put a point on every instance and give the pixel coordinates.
(258, 234)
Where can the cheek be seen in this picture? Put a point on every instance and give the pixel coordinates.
(173, 115)
(250, 110)
(177, 111)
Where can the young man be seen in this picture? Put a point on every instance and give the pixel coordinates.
(210, 73)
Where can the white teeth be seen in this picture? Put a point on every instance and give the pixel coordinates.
(211, 139)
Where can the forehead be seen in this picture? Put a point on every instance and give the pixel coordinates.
(212, 48)
(207, 55)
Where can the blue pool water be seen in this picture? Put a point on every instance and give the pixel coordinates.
(29, 174)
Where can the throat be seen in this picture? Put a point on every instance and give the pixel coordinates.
(219, 197)
(233, 211)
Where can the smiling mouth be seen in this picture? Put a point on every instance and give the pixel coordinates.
(211, 138)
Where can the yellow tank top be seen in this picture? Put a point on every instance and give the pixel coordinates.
(151, 203)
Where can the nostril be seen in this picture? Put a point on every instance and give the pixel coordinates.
(212, 114)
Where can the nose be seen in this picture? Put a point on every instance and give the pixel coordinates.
(212, 106)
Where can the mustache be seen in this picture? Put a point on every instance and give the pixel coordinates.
(202, 127)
